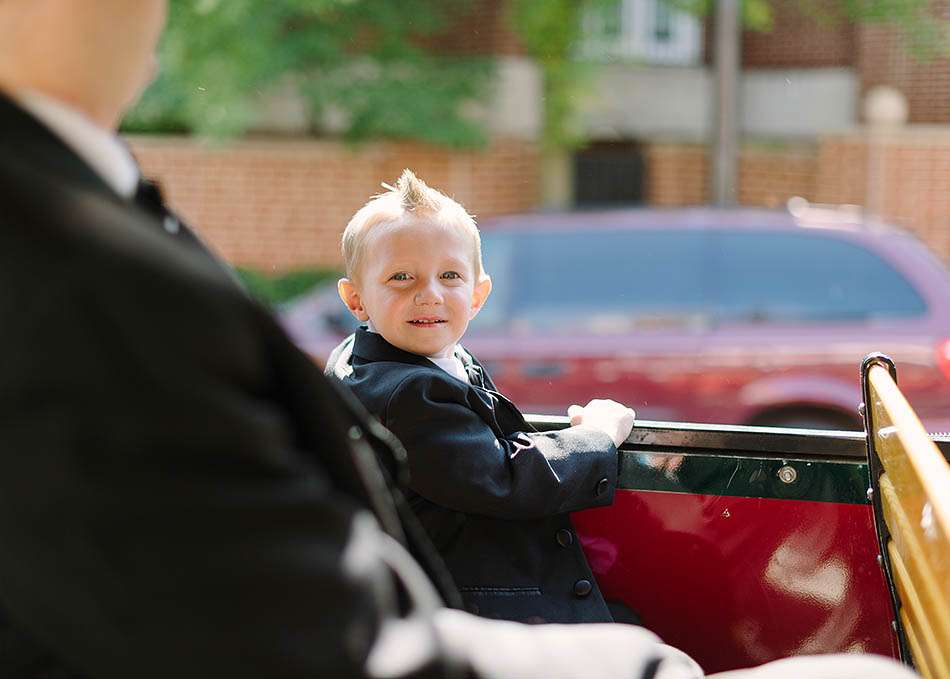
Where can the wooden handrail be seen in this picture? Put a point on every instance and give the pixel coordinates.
(911, 493)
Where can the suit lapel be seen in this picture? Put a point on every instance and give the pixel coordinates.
(507, 414)
(149, 198)
(476, 374)
(371, 346)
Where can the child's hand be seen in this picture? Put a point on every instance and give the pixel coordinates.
(608, 416)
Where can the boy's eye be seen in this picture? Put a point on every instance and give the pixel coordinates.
(401, 276)
(452, 275)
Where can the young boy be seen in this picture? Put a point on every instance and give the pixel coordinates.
(493, 494)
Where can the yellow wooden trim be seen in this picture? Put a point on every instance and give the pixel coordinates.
(918, 457)
(915, 499)
(919, 662)
(917, 623)
(929, 601)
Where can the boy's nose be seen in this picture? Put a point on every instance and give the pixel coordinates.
(428, 294)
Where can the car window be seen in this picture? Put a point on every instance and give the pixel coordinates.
(792, 277)
(498, 251)
(607, 282)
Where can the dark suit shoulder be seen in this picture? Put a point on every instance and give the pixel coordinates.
(380, 384)
(85, 230)
(74, 245)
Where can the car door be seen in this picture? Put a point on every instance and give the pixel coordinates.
(607, 312)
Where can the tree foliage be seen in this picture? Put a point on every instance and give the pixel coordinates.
(276, 289)
(363, 60)
(550, 31)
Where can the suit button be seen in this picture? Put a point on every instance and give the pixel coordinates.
(564, 537)
(582, 588)
(602, 487)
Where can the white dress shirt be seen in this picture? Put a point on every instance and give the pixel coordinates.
(452, 365)
(99, 148)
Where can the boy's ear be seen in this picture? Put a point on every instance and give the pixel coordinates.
(351, 298)
(480, 295)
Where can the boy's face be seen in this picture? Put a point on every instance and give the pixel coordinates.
(417, 285)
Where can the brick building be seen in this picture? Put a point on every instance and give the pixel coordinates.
(802, 93)
(277, 203)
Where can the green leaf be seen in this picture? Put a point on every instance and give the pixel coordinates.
(273, 290)
(220, 59)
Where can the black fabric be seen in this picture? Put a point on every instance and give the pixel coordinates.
(180, 487)
(493, 494)
(149, 197)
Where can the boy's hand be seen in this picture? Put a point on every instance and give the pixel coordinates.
(610, 417)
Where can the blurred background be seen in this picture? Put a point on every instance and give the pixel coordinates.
(708, 210)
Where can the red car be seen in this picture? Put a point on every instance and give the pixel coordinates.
(741, 316)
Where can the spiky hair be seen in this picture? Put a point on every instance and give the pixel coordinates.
(415, 194)
(410, 198)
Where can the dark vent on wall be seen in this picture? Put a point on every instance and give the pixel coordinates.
(609, 174)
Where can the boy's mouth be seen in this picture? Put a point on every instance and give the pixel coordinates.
(426, 322)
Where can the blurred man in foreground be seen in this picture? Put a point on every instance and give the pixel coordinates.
(182, 494)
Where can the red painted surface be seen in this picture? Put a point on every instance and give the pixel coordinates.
(737, 582)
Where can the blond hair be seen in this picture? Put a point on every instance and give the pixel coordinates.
(411, 198)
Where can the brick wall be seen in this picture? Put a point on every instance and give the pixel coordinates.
(879, 52)
(282, 204)
(485, 29)
(797, 40)
(883, 59)
(769, 176)
(678, 174)
(277, 205)
(904, 177)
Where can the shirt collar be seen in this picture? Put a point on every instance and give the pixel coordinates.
(451, 364)
(101, 150)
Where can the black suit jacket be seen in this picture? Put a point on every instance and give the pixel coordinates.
(493, 494)
(164, 445)
(182, 493)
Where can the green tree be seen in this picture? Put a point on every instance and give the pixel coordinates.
(366, 60)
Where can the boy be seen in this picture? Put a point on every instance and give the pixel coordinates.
(493, 495)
